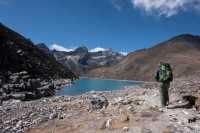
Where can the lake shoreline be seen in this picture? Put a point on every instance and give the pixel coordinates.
(126, 108)
(85, 77)
(85, 84)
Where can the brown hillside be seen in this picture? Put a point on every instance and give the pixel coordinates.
(183, 52)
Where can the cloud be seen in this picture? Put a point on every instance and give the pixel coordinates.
(60, 48)
(97, 49)
(166, 8)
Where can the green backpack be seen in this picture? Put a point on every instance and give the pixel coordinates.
(165, 73)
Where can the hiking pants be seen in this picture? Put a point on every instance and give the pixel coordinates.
(164, 93)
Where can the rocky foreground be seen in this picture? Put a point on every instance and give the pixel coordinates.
(129, 110)
(21, 86)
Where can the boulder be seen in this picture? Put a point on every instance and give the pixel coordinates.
(145, 130)
(31, 95)
(18, 96)
(47, 90)
(197, 104)
(33, 84)
(190, 99)
(125, 129)
(52, 116)
(98, 102)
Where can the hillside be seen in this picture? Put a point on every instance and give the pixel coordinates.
(182, 52)
(20, 54)
(25, 69)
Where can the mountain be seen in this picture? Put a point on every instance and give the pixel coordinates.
(182, 52)
(23, 66)
(20, 54)
(74, 60)
(45, 49)
(82, 60)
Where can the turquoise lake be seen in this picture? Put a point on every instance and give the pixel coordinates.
(86, 85)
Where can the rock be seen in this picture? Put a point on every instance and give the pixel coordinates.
(170, 129)
(2, 80)
(14, 78)
(131, 109)
(119, 99)
(109, 123)
(197, 104)
(34, 83)
(97, 102)
(18, 96)
(103, 125)
(19, 131)
(34, 114)
(122, 100)
(19, 124)
(114, 123)
(31, 95)
(47, 90)
(145, 130)
(192, 119)
(52, 116)
(61, 116)
(190, 99)
(124, 117)
(125, 129)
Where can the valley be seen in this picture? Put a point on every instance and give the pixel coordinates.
(30, 76)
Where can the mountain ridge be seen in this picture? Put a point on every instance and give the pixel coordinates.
(81, 59)
(141, 65)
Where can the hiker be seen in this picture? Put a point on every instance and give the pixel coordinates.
(165, 76)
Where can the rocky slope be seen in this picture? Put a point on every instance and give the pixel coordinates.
(130, 110)
(182, 52)
(81, 60)
(25, 70)
(45, 49)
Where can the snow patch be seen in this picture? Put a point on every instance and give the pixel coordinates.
(124, 53)
(60, 48)
(97, 49)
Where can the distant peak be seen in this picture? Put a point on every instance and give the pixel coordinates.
(81, 49)
(42, 45)
(185, 37)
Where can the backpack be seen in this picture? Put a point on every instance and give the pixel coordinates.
(165, 73)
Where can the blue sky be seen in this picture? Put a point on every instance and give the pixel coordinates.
(123, 25)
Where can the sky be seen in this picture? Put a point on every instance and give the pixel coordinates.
(123, 25)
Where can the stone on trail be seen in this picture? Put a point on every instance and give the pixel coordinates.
(145, 130)
(52, 116)
(102, 125)
(108, 123)
(125, 129)
(124, 117)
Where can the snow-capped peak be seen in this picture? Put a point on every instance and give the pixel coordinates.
(98, 49)
(60, 48)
